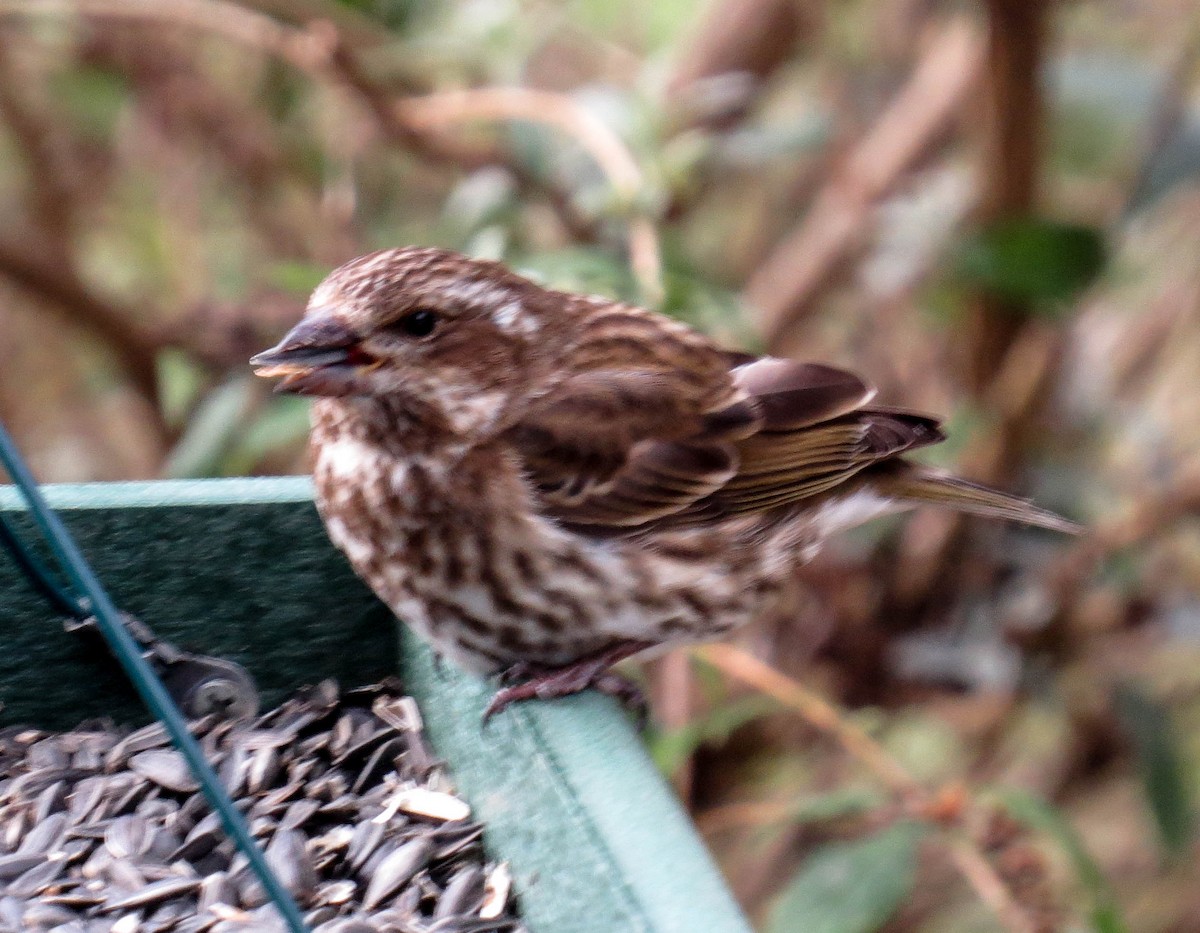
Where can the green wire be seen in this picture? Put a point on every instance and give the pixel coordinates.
(39, 575)
(151, 689)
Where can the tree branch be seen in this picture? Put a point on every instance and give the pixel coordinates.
(784, 290)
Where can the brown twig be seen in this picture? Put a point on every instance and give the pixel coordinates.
(322, 52)
(439, 110)
(912, 796)
(133, 347)
(50, 194)
(439, 149)
(736, 815)
(818, 711)
(671, 695)
(979, 873)
(784, 290)
(1065, 579)
(743, 41)
(218, 336)
(216, 17)
(1011, 161)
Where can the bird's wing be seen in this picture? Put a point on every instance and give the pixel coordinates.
(814, 435)
(641, 426)
(779, 468)
(673, 430)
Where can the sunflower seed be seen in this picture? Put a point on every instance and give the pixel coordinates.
(463, 895)
(166, 768)
(46, 915)
(104, 832)
(363, 843)
(154, 893)
(289, 859)
(37, 879)
(496, 889)
(395, 870)
(45, 835)
(127, 836)
(420, 801)
(11, 866)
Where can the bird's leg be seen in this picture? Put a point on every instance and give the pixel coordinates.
(627, 693)
(525, 682)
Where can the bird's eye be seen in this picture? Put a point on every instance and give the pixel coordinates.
(418, 323)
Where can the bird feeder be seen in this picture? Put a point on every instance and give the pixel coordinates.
(241, 569)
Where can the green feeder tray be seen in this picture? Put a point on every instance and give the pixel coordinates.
(242, 569)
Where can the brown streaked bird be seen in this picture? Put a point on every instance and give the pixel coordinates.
(542, 483)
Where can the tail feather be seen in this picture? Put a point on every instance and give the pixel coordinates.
(942, 489)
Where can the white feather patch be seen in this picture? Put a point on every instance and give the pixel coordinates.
(512, 318)
(348, 457)
(851, 511)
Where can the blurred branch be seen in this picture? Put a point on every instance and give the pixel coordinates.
(736, 815)
(1020, 387)
(436, 147)
(1065, 579)
(816, 710)
(948, 809)
(738, 47)
(323, 52)
(218, 336)
(786, 288)
(49, 193)
(1012, 148)
(1010, 360)
(134, 349)
(671, 696)
(217, 17)
(438, 110)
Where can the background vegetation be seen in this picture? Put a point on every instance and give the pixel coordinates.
(991, 208)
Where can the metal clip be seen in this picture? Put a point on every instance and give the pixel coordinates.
(201, 685)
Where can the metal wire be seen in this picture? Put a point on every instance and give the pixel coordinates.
(39, 574)
(125, 649)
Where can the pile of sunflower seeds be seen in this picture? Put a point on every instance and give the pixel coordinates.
(105, 831)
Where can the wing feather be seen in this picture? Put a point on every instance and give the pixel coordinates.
(657, 427)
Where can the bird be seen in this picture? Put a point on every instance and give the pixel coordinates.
(542, 484)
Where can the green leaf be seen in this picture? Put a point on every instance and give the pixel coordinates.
(1039, 815)
(671, 749)
(283, 424)
(1037, 261)
(298, 278)
(212, 430)
(95, 98)
(397, 15)
(180, 381)
(835, 805)
(579, 270)
(1148, 725)
(850, 887)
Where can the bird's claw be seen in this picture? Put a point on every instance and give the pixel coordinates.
(523, 681)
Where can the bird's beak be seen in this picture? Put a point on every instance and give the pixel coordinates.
(319, 356)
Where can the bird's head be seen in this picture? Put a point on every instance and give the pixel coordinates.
(452, 339)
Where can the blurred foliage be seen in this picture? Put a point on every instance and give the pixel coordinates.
(174, 186)
(1105, 915)
(850, 887)
(1038, 262)
(1148, 725)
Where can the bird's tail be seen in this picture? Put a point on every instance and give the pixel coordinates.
(922, 486)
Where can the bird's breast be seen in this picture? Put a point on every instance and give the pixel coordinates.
(462, 555)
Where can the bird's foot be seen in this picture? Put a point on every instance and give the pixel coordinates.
(524, 681)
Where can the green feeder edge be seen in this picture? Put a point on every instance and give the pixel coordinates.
(241, 568)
